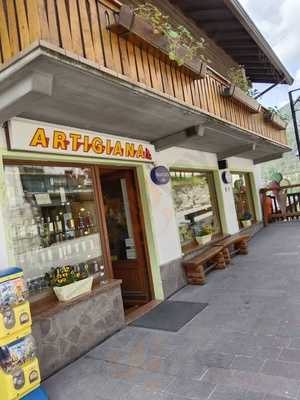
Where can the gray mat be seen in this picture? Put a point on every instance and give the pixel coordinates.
(170, 315)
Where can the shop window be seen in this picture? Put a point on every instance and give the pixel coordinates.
(196, 207)
(243, 198)
(53, 220)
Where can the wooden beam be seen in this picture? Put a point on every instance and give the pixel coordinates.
(236, 151)
(235, 37)
(208, 15)
(267, 158)
(224, 26)
(179, 138)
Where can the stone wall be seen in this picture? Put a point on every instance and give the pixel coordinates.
(173, 277)
(64, 336)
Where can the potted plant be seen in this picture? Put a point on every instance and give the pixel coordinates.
(146, 25)
(204, 234)
(246, 220)
(241, 90)
(276, 117)
(68, 283)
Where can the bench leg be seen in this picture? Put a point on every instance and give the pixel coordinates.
(242, 247)
(196, 275)
(220, 261)
(227, 256)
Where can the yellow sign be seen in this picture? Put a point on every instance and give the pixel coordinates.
(28, 135)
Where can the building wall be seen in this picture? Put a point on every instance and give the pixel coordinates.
(158, 208)
(164, 219)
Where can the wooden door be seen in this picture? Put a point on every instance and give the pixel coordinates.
(125, 233)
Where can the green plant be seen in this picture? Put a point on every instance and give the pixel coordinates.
(275, 110)
(237, 76)
(62, 276)
(206, 230)
(182, 46)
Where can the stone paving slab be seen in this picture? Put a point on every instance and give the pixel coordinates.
(244, 346)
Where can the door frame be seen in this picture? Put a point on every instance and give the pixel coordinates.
(140, 216)
(95, 170)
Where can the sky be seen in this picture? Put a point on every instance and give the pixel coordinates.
(279, 22)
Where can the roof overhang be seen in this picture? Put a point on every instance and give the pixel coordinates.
(228, 24)
(46, 85)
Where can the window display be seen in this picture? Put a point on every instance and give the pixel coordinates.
(243, 199)
(196, 206)
(52, 215)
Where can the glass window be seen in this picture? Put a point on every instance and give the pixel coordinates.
(243, 198)
(196, 207)
(53, 220)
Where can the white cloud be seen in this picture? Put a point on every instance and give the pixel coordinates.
(280, 25)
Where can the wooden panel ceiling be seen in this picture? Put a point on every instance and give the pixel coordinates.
(227, 23)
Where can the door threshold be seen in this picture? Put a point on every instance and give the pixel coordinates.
(136, 313)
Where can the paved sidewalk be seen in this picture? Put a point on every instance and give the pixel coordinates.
(244, 346)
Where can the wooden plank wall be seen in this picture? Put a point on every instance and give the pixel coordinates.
(80, 27)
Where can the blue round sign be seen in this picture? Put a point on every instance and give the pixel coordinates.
(160, 175)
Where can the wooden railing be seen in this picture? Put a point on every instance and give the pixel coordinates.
(80, 27)
(282, 204)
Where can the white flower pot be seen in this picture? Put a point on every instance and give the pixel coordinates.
(76, 289)
(204, 239)
(246, 223)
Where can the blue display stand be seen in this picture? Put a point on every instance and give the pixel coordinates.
(37, 394)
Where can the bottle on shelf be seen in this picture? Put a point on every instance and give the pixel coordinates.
(51, 231)
(69, 225)
(58, 229)
(81, 225)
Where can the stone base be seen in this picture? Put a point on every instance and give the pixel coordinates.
(73, 329)
(173, 277)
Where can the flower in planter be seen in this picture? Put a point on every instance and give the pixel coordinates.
(206, 230)
(276, 111)
(62, 276)
(182, 46)
(237, 76)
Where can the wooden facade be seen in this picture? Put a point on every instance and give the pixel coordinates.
(81, 28)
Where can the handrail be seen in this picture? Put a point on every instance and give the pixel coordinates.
(280, 205)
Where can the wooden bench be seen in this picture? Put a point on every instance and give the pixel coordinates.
(195, 267)
(239, 243)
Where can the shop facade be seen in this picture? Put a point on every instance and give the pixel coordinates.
(92, 105)
(104, 212)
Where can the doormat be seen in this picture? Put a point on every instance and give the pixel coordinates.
(170, 315)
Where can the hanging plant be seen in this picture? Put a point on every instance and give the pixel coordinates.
(182, 46)
(237, 76)
(276, 111)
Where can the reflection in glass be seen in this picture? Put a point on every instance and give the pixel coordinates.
(195, 204)
(52, 214)
(118, 219)
(243, 197)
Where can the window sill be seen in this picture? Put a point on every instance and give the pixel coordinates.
(48, 306)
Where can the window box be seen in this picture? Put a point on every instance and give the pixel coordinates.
(246, 223)
(140, 32)
(241, 97)
(202, 240)
(74, 290)
(275, 120)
